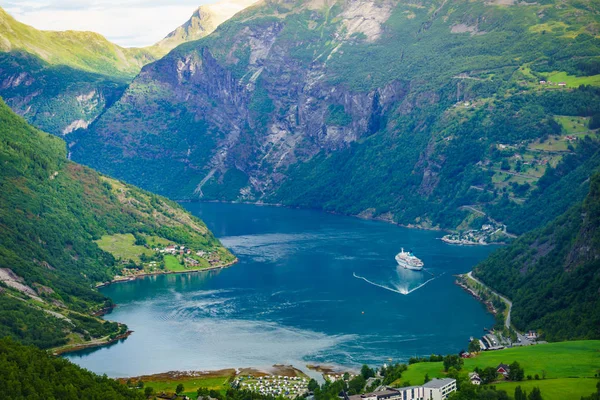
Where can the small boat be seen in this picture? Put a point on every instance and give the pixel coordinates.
(408, 260)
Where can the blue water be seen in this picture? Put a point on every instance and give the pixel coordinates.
(310, 287)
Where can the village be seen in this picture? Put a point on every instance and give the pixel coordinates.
(488, 234)
(150, 255)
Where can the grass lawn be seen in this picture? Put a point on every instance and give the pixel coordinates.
(217, 380)
(191, 385)
(554, 389)
(172, 264)
(577, 359)
(157, 241)
(552, 144)
(574, 81)
(573, 124)
(123, 246)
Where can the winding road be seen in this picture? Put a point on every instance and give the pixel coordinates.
(507, 301)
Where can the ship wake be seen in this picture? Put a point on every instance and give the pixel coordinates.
(398, 288)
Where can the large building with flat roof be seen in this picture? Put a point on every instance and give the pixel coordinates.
(435, 389)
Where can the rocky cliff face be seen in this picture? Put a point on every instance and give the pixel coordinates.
(264, 108)
(382, 108)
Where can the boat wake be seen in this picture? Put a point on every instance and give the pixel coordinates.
(399, 290)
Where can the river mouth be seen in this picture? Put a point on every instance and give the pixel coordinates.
(309, 288)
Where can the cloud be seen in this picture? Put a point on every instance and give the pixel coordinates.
(129, 23)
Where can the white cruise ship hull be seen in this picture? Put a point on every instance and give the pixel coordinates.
(404, 264)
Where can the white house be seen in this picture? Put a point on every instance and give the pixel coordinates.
(435, 389)
(474, 378)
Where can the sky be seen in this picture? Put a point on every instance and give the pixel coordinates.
(129, 23)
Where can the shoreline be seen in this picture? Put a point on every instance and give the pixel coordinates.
(89, 345)
(363, 217)
(145, 274)
(359, 216)
(467, 243)
(106, 310)
(289, 370)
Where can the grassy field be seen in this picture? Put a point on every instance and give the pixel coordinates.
(157, 241)
(191, 385)
(574, 81)
(554, 143)
(570, 367)
(167, 382)
(172, 264)
(123, 246)
(573, 124)
(555, 389)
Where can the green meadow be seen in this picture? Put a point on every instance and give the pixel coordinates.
(167, 383)
(574, 81)
(569, 366)
(172, 264)
(123, 246)
(555, 389)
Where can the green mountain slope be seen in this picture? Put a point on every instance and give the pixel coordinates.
(51, 213)
(427, 114)
(29, 373)
(552, 274)
(62, 81)
(85, 51)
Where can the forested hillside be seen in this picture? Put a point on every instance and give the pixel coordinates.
(552, 275)
(30, 373)
(51, 213)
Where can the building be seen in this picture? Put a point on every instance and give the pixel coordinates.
(439, 389)
(435, 389)
(503, 369)
(474, 378)
(531, 335)
(562, 84)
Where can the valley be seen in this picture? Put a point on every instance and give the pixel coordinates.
(466, 132)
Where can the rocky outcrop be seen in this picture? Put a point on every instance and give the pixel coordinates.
(264, 109)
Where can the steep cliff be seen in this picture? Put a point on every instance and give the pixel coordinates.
(411, 112)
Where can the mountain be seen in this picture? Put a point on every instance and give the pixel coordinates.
(84, 51)
(552, 274)
(54, 215)
(62, 81)
(203, 22)
(426, 113)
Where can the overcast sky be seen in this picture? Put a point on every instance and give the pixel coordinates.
(129, 23)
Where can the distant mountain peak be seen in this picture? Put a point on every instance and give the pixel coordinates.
(203, 22)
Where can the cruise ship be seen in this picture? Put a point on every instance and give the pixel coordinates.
(407, 260)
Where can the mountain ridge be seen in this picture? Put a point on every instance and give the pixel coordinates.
(61, 81)
(282, 97)
(204, 20)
